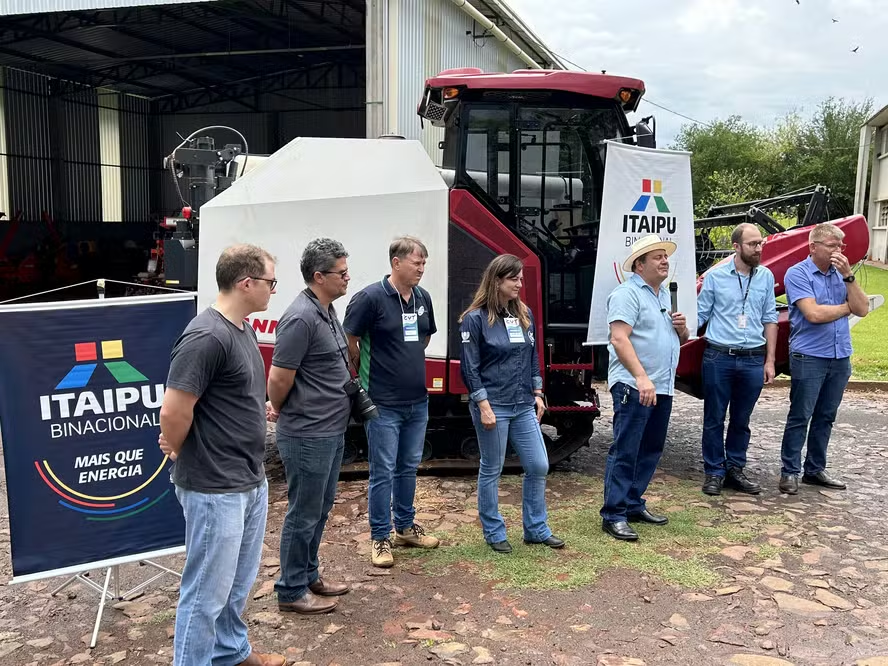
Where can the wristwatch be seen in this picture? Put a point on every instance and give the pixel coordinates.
(849, 279)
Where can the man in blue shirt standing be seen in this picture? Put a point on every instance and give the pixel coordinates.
(821, 292)
(389, 325)
(644, 346)
(737, 302)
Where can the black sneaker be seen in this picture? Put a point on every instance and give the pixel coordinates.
(737, 480)
(713, 484)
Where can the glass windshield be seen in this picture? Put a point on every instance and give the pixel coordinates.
(555, 205)
(561, 161)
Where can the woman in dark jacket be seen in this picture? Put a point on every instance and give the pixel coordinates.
(500, 366)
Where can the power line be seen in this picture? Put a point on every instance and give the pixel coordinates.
(643, 99)
(681, 115)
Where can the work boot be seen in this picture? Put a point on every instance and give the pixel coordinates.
(737, 480)
(381, 553)
(415, 536)
(713, 484)
(309, 604)
(325, 588)
(257, 659)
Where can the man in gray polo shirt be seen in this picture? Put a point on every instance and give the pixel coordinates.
(212, 425)
(306, 387)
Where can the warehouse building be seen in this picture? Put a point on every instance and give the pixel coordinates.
(94, 93)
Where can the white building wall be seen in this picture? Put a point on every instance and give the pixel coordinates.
(878, 209)
(425, 38)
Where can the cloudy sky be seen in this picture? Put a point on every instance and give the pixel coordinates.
(714, 58)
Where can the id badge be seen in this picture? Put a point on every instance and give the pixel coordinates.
(409, 323)
(741, 321)
(516, 335)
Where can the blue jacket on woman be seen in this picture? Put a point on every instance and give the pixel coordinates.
(493, 367)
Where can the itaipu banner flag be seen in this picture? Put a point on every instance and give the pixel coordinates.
(81, 385)
(646, 191)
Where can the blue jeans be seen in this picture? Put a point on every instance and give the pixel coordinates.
(639, 438)
(734, 381)
(516, 424)
(816, 389)
(395, 442)
(312, 466)
(223, 546)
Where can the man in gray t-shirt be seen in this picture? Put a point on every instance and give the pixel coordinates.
(306, 389)
(212, 425)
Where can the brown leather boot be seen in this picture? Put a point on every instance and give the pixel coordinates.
(257, 659)
(325, 588)
(308, 605)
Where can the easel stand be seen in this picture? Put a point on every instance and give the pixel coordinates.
(113, 573)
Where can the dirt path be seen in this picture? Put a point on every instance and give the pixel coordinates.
(782, 580)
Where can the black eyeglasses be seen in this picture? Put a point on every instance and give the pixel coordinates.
(341, 274)
(270, 281)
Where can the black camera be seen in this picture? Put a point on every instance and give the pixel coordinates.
(363, 408)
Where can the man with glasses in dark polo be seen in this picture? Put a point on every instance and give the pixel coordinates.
(737, 306)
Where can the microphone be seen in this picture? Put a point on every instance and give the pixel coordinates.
(673, 294)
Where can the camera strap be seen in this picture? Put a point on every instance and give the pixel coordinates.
(335, 329)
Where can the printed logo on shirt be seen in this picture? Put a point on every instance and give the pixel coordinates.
(421, 311)
(466, 337)
(530, 335)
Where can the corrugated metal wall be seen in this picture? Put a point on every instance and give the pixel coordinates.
(109, 154)
(432, 37)
(136, 165)
(81, 157)
(29, 157)
(4, 160)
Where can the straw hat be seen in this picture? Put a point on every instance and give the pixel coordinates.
(647, 244)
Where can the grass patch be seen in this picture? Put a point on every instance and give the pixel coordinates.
(680, 553)
(163, 617)
(870, 358)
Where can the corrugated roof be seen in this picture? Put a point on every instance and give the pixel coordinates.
(12, 7)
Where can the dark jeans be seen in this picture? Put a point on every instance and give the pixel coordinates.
(312, 466)
(815, 395)
(734, 381)
(395, 441)
(639, 438)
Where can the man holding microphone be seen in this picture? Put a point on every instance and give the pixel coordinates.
(737, 303)
(644, 345)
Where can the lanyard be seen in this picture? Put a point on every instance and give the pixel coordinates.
(746, 293)
(334, 328)
(401, 300)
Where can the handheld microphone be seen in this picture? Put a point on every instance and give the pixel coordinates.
(673, 294)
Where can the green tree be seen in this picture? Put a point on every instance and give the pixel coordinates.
(733, 160)
(728, 147)
(826, 149)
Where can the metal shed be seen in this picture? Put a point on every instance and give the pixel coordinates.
(93, 94)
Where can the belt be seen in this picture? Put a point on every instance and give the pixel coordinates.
(739, 351)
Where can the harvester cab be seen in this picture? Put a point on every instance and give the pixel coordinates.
(524, 155)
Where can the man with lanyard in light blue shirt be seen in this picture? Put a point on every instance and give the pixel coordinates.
(644, 346)
(737, 302)
(821, 292)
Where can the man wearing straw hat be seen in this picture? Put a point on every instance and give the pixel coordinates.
(644, 341)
